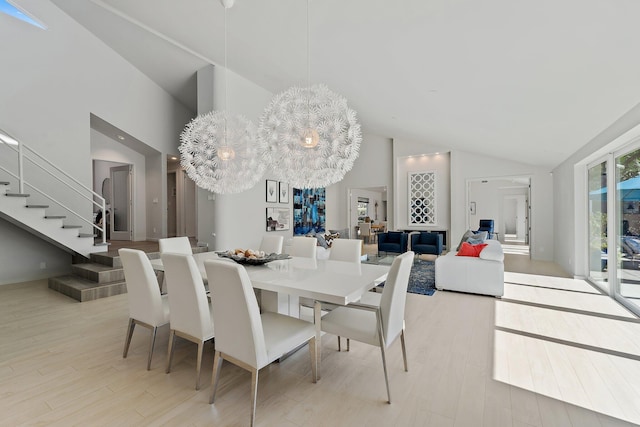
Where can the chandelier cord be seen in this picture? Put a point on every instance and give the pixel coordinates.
(308, 68)
(226, 100)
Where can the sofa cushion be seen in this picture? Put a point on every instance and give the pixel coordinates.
(467, 249)
(476, 238)
(493, 252)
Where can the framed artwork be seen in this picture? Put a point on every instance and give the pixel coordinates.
(272, 191)
(308, 210)
(278, 219)
(283, 193)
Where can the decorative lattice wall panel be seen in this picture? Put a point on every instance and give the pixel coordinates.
(422, 198)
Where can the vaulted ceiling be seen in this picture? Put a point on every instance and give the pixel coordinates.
(521, 80)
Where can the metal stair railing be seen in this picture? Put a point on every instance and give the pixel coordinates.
(26, 153)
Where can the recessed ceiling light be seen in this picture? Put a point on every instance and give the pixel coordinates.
(174, 158)
(121, 138)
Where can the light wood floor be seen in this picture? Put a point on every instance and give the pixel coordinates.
(552, 352)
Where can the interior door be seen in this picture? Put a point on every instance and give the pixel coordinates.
(121, 204)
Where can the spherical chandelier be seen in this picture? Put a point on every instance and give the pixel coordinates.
(311, 136)
(220, 153)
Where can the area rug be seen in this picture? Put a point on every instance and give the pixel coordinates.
(422, 279)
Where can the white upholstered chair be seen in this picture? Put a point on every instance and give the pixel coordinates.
(176, 245)
(146, 306)
(365, 231)
(349, 250)
(272, 244)
(304, 247)
(377, 325)
(245, 337)
(191, 314)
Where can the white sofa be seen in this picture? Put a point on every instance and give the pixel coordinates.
(479, 275)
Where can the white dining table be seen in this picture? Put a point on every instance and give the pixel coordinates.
(324, 281)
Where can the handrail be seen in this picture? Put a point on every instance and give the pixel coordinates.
(20, 150)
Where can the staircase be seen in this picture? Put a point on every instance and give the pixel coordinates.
(45, 215)
(15, 208)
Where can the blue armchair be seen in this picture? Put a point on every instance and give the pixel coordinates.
(486, 225)
(392, 241)
(426, 243)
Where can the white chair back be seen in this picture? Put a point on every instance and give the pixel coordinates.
(235, 309)
(272, 244)
(304, 247)
(190, 312)
(394, 297)
(145, 301)
(349, 250)
(176, 245)
(365, 229)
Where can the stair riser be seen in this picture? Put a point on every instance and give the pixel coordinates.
(99, 276)
(83, 294)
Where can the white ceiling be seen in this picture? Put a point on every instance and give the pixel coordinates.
(530, 81)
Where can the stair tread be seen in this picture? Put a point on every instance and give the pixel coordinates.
(82, 282)
(96, 267)
(85, 235)
(17, 195)
(55, 216)
(71, 226)
(37, 206)
(4, 183)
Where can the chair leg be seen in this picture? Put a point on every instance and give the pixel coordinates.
(314, 361)
(172, 337)
(348, 344)
(199, 363)
(404, 350)
(254, 395)
(152, 341)
(384, 358)
(127, 340)
(339, 348)
(217, 364)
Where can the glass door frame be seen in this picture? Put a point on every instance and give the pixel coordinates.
(611, 272)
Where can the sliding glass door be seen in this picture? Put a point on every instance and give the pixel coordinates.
(627, 197)
(597, 212)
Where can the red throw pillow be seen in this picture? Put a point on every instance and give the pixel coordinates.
(467, 249)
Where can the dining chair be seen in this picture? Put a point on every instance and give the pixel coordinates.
(272, 244)
(377, 325)
(304, 247)
(146, 306)
(365, 231)
(245, 337)
(191, 313)
(349, 250)
(176, 245)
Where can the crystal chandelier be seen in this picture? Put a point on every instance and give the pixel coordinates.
(312, 137)
(221, 153)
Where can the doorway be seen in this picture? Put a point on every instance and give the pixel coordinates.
(181, 201)
(505, 200)
(121, 203)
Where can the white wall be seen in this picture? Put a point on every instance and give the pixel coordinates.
(60, 76)
(373, 168)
